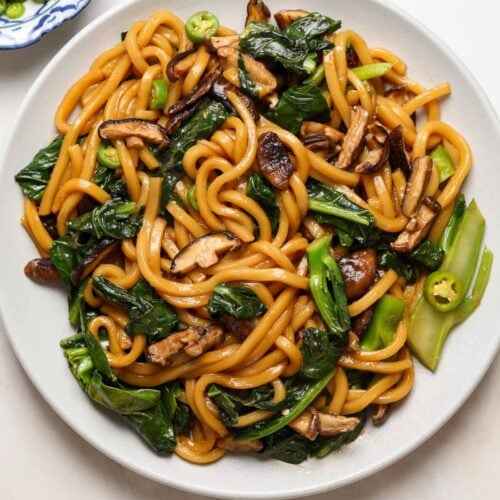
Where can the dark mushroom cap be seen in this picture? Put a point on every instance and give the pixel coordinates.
(41, 271)
(172, 73)
(273, 160)
(377, 150)
(397, 155)
(204, 252)
(358, 270)
(220, 89)
(286, 17)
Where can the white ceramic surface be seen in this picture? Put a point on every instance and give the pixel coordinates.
(34, 336)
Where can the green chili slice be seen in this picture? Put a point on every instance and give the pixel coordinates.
(3, 6)
(107, 156)
(443, 290)
(159, 94)
(201, 25)
(15, 10)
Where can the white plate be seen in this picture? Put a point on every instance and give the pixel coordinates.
(35, 318)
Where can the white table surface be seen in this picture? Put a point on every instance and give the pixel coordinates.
(41, 458)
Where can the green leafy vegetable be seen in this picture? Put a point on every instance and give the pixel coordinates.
(35, 176)
(298, 104)
(65, 259)
(443, 162)
(149, 314)
(113, 219)
(389, 260)
(450, 231)
(107, 180)
(327, 200)
(227, 407)
(246, 83)
(427, 255)
(380, 332)
(320, 351)
(261, 191)
(288, 446)
(428, 327)
(239, 301)
(77, 303)
(80, 364)
(327, 286)
(292, 46)
(119, 399)
(318, 77)
(280, 420)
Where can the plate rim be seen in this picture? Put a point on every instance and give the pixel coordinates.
(307, 490)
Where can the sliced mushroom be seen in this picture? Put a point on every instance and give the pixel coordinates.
(317, 142)
(228, 443)
(380, 416)
(181, 346)
(88, 263)
(271, 100)
(173, 73)
(134, 127)
(204, 252)
(258, 73)
(219, 92)
(286, 17)
(200, 90)
(50, 223)
(315, 128)
(377, 150)
(41, 271)
(361, 321)
(242, 328)
(134, 142)
(257, 12)
(174, 122)
(330, 424)
(397, 155)
(352, 57)
(418, 227)
(273, 160)
(353, 342)
(306, 423)
(400, 94)
(358, 270)
(353, 142)
(216, 42)
(416, 185)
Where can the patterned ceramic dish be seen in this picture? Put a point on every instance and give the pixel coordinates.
(38, 20)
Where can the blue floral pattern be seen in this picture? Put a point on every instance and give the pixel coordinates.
(38, 20)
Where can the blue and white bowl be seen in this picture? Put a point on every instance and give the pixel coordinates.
(38, 20)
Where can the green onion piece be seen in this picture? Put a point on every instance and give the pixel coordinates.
(370, 71)
(443, 163)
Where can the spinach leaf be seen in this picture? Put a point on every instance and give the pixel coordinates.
(264, 40)
(246, 83)
(149, 314)
(114, 219)
(320, 351)
(119, 399)
(95, 351)
(286, 445)
(298, 104)
(179, 412)
(238, 301)
(77, 303)
(292, 46)
(227, 408)
(65, 258)
(261, 191)
(34, 177)
(327, 200)
(155, 427)
(389, 260)
(107, 180)
(201, 125)
(427, 255)
(313, 26)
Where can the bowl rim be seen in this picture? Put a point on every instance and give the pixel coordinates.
(307, 490)
(49, 28)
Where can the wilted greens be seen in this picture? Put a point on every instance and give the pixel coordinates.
(239, 301)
